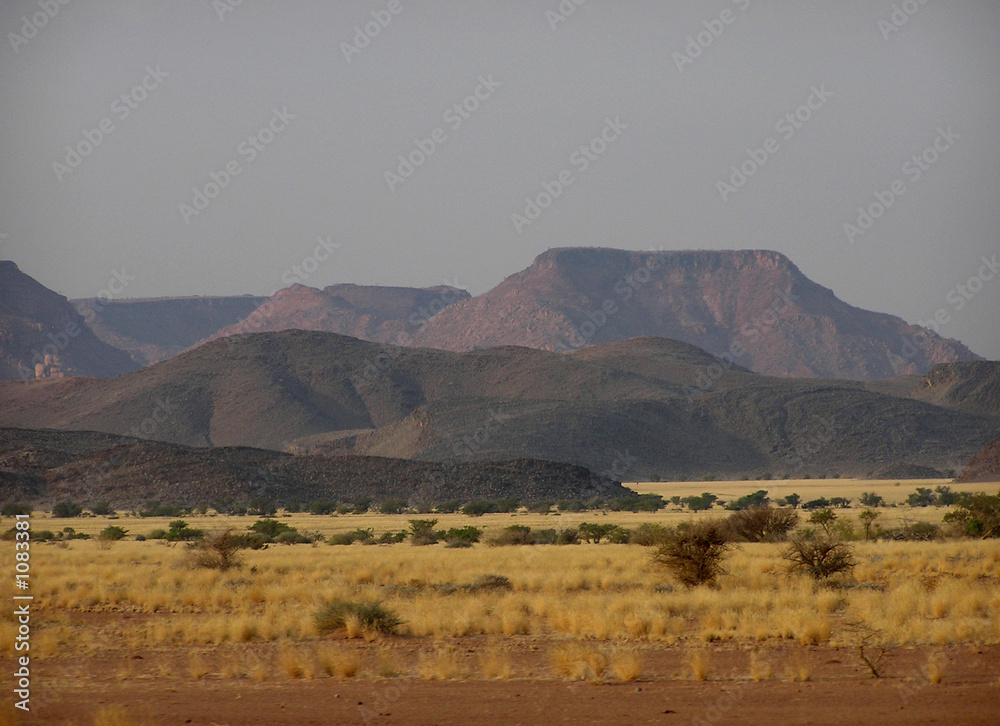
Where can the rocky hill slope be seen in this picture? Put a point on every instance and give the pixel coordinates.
(36, 321)
(42, 467)
(631, 410)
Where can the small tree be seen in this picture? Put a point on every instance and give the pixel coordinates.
(110, 535)
(422, 532)
(922, 497)
(868, 518)
(219, 551)
(978, 515)
(762, 524)
(701, 502)
(824, 518)
(821, 557)
(67, 509)
(694, 551)
(792, 500)
(871, 499)
(757, 499)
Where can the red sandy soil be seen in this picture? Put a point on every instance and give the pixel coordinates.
(841, 691)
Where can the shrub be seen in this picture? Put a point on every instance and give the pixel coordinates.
(140, 538)
(113, 534)
(12, 509)
(792, 500)
(762, 524)
(364, 536)
(570, 505)
(595, 532)
(945, 496)
(270, 528)
(922, 497)
(155, 509)
(540, 507)
(516, 534)
(694, 551)
(66, 510)
(422, 532)
(821, 557)
(448, 507)
(871, 499)
(478, 508)
(701, 502)
(179, 531)
(640, 503)
(820, 503)
(468, 534)
(568, 536)
(292, 536)
(102, 509)
(390, 538)
(219, 551)
(322, 507)
(978, 515)
(157, 534)
(648, 535)
(757, 499)
(361, 506)
(371, 616)
(393, 506)
(840, 502)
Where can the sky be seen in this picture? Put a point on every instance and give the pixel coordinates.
(226, 147)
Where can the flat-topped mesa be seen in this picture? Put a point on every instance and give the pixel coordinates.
(754, 306)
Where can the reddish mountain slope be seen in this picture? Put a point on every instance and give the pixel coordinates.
(368, 312)
(35, 322)
(984, 466)
(753, 304)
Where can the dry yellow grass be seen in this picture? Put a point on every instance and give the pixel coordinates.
(579, 662)
(441, 665)
(339, 662)
(604, 604)
(114, 716)
(627, 664)
(699, 662)
(494, 663)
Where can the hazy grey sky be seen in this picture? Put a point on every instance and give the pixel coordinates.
(547, 84)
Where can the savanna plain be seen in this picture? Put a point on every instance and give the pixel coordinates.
(600, 630)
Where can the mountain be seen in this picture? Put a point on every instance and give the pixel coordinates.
(754, 306)
(629, 410)
(43, 467)
(984, 466)
(40, 328)
(369, 312)
(155, 329)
